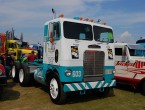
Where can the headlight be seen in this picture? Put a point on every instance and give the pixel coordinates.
(109, 71)
(68, 72)
(114, 71)
(1, 72)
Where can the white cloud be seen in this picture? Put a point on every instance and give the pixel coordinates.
(26, 15)
(126, 37)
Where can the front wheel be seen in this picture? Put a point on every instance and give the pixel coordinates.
(108, 92)
(15, 71)
(57, 95)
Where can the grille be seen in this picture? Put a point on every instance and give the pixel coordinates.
(93, 65)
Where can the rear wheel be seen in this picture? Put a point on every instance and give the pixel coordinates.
(143, 88)
(57, 95)
(15, 71)
(1, 91)
(24, 75)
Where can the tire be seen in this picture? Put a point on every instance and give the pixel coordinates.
(108, 92)
(15, 71)
(1, 91)
(143, 88)
(24, 75)
(57, 95)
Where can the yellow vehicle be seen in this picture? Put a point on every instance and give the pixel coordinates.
(14, 47)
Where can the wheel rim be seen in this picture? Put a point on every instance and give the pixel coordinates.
(13, 72)
(21, 75)
(53, 88)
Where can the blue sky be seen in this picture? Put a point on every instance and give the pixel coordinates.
(127, 17)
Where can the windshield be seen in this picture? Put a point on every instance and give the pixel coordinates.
(80, 31)
(77, 31)
(12, 45)
(136, 52)
(103, 34)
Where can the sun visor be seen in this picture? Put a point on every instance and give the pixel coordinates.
(137, 47)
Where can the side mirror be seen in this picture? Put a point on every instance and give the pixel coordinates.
(127, 60)
(50, 30)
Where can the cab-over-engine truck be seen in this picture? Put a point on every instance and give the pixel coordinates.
(78, 56)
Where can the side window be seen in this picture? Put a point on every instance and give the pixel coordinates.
(45, 30)
(46, 33)
(54, 30)
(118, 51)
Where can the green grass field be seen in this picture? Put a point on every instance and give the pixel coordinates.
(37, 98)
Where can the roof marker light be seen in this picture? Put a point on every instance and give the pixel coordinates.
(61, 16)
(91, 20)
(76, 18)
(87, 19)
(104, 23)
(81, 18)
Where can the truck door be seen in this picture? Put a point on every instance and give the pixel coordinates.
(50, 44)
(124, 66)
(120, 63)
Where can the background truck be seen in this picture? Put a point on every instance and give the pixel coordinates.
(130, 65)
(141, 42)
(9, 42)
(78, 56)
(37, 47)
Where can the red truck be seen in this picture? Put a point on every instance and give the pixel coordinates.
(2, 43)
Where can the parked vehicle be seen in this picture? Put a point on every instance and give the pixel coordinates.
(130, 65)
(13, 46)
(78, 56)
(39, 48)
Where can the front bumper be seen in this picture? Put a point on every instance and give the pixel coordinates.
(3, 80)
(88, 85)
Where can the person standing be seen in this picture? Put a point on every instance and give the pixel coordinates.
(32, 57)
(7, 61)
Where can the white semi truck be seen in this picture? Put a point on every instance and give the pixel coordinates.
(78, 55)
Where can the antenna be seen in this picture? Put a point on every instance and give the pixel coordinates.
(54, 13)
(99, 20)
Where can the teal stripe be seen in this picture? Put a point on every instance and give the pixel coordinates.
(89, 86)
(81, 85)
(98, 84)
(75, 88)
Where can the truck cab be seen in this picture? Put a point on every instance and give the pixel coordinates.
(130, 65)
(13, 46)
(78, 55)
